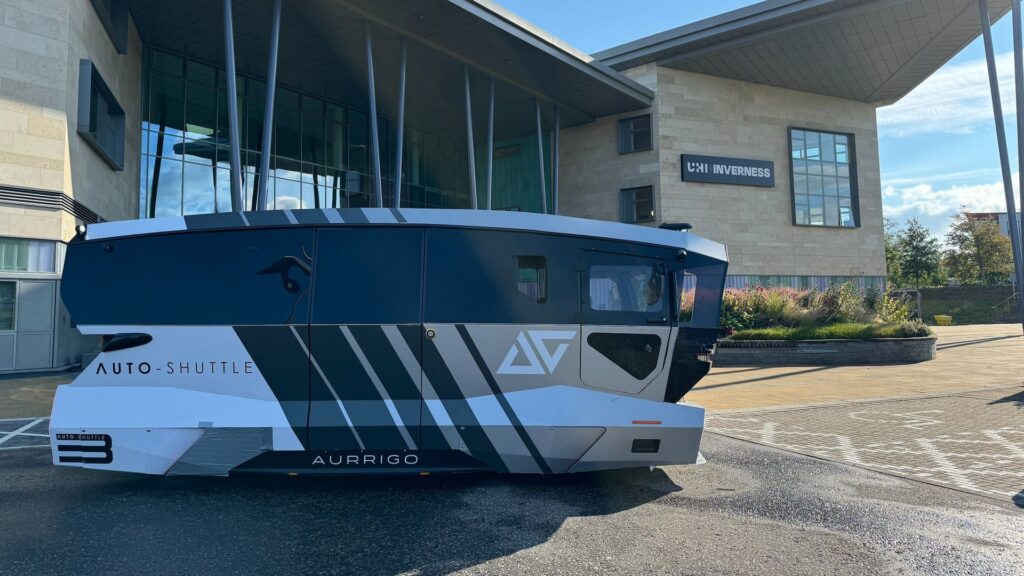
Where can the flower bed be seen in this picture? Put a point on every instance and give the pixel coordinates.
(786, 327)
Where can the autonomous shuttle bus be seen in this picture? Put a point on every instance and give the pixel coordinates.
(386, 341)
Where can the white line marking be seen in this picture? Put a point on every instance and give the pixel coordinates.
(18, 432)
(23, 447)
(329, 387)
(379, 385)
(21, 419)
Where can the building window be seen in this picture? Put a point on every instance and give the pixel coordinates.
(532, 277)
(637, 204)
(8, 300)
(114, 17)
(100, 117)
(19, 255)
(824, 178)
(635, 134)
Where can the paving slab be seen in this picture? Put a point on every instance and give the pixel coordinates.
(972, 442)
(969, 358)
(27, 395)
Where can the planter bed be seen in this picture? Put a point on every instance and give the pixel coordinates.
(824, 352)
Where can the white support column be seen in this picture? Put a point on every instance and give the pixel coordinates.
(235, 153)
(554, 164)
(400, 140)
(490, 142)
(1004, 157)
(540, 156)
(1013, 218)
(470, 147)
(378, 190)
(268, 111)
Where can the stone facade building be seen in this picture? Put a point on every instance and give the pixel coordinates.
(756, 126)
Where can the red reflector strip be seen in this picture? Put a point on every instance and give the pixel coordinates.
(647, 422)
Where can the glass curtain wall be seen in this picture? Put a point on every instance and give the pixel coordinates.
(320, 156)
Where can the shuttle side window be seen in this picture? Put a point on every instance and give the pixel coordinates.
(686, 289)
(627, 288)
(532, 277)
(698, 294)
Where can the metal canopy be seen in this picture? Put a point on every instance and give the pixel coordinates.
(322, 52)
(867, 50)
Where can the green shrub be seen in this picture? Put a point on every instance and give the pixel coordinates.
(914, 329)
(894, 308)
(843, 303)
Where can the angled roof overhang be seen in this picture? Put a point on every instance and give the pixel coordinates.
(872, 51)
(322, 48)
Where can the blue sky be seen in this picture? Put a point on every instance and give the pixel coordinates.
(937, 146)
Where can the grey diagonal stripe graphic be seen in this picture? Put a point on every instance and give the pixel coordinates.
(511, 442)
(500, 397)
(334, 393)
(437, 410)
(380, 387)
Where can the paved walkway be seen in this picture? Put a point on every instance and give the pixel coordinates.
(31, 395)
(972, 441)
(969, 358)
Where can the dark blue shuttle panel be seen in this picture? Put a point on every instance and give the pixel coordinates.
(368, 275)
(367, 283)
(492, 277)
(236, 277)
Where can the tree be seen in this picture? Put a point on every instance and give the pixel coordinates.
(977, 250)
(918, 252)
(893, 265)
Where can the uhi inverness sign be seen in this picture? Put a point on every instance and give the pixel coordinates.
(719, 170)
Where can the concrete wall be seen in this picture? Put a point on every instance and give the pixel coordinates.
(591, 170)
(113, 195)
(700, 114)
(41, 43)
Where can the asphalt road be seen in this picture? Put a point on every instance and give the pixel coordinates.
(750, 510)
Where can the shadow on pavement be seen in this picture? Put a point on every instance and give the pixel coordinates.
(103, 523)
(1017, 399)
(763, 378)
(973, 342)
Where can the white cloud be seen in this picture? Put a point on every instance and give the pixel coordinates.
(287, 203)
(954, 100)
(924, 200)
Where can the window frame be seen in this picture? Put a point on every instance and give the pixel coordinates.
(540, 267)
(623, 123)
(635, 218)
(854, 180)
(13, 242)
(89, 79)
(14, 307)
(596, 317)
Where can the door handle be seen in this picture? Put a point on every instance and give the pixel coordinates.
(656, 319)
(123, 341)
(282, 266)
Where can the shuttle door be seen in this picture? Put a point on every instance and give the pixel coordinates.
(364, 341)
(625, 325)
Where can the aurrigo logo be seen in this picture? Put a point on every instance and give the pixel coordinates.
(531, 354)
